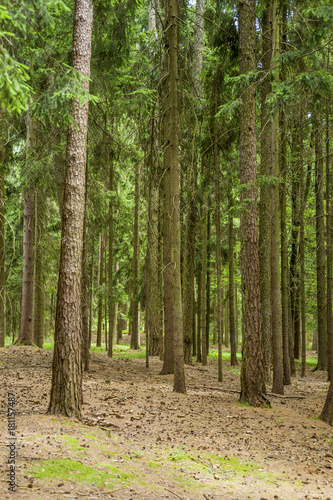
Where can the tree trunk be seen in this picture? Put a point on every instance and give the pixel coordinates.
(2, 249)
(252, 373)
(320, 241)
(283, 227)
(26, 335)
(329, 250)
(204, 278)
(218, 242)
(135, 337)
(233, 358)
(110, 261)
(66, 390)
(38, 273)
(265, 195)
(171, 163)
(85, 290)
(277, 386)
(100, 290)
(198, 342)
(327, 412)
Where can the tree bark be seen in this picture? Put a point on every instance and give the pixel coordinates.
(252, 373)
(277, 386)
(66, 390)
(233, 357)
(100, 290)
(26, 335)
(320, 243)
(265, 195)
(2, 247)
(38, 273)
(327, 412)
(135, 337)
(329, 250)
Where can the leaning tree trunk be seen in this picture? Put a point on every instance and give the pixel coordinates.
(66, 390)
(26, 335)
(252, 373)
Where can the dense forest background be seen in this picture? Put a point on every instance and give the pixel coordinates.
(208, 181)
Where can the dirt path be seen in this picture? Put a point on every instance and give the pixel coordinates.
(140, 440)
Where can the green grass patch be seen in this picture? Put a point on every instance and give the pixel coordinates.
(310, 361)
(213, 354)
(71, 470)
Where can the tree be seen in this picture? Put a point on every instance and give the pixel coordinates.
(252, 374)
(66, 389)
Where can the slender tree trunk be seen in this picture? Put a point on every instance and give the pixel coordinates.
(26, 335)
(100, 291)
(327, 412)
(208, 307)
(320, 240)
(218, 241)
(233, 358)
(204, 279)
(91, 289)
(135, 337)
(85, 287)
(66, 389)
(38, 273)
(110, 260)
(252, 374)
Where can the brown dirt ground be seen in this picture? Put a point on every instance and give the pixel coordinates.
(139, 440)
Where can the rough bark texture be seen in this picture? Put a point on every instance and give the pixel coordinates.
(38, 273)
(26, 334)
(265, 196)
(171, 163)
(283, 229)
(320, 243)
(218, 242)
(66, 390)
(277, 385)
(252, 374)
(329, 249)
(135, 337)
(2, 248)
(191, 188)
(85, 292)
(327, 413)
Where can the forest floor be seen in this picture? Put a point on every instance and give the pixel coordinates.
(139, 440)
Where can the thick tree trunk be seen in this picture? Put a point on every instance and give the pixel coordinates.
(265, 195)
(277, 385)
(320, 241)
(283, 228)
(252, 374)
(66, 390)
(327, 413)
(135, 337)
(38, 273)
(2, 248)
(329, 250)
